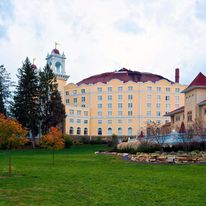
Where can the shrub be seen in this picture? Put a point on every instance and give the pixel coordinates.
(68, 142)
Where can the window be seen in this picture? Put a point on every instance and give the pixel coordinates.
(85, 113)
(99, 121)
(99, 98)
(119, 105)
(110, 106)
(158, 105)
(99, 113)
(149, 88)
(149, 121)
(85, 121)
(119, 97)
(75, 92)
(79, 112)
(148, 105)
(99, 106)
(75, 100)
(167, 89)
(130, 96)
(129, 131)
(119, 121)
(99, 131)
(109, 113)
(78, 130)
(109, 97)
(71, 130)
(167, 98)
(99, 89)
(158, 89)
(167, 107)
(189, 116)
(83, 99)
(177, 98)
(109, 131)
(109, 121)
(149, 97)
(158, 121)
(78, 121)
(67, 93)
(119, 131)
(67, 101)
(177, 90)
(71, 120)
(85, 131)
(177, 118)
(148, 113)
(129, 113)
(130, 88)
(120, 89)
(109, 89)
(158, 98)
(130, 105)
(83, 91)
(119, 113)
(158, 113)
(71, 111)
(83, 105)
(177, 106)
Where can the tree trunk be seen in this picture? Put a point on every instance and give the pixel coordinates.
(53, 156)
(9, 162)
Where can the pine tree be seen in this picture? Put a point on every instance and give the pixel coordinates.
(26, 99)
(52, 109)
(5, 82)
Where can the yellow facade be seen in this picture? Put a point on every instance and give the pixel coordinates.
(118, 108)
(194, 108)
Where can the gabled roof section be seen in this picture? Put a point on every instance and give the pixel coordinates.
(202, 103)
(176, 111)
(198, 82)
(123, 75)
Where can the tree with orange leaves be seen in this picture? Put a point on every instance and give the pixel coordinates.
(12, 135)
(53, 140)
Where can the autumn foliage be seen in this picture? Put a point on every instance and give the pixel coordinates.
(53, 140)
(12, 134)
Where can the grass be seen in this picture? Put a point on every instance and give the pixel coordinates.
(79, 177)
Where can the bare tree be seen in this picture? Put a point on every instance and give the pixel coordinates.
(200, 131)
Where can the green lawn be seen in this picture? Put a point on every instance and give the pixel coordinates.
(79, 177)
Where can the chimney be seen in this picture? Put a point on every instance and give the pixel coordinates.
(177, 75)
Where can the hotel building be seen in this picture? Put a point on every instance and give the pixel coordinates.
(120, 102)
(194, 108)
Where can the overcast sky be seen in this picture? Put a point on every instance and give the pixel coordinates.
(105, 35)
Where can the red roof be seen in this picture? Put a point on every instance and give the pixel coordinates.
(203, 102)
(199, 81)
(33, 66)
(56, 51)
(176, 111)
(124, 75)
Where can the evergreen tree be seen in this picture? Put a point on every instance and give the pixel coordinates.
(52, 109)
(26, 99)
(5, 82)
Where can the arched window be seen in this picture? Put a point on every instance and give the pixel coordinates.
(85, 131)
(119, 131)
(78, 130)
(58, 67)
(129, 131)
(71, 130)
(109, 131)
(99, 131)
